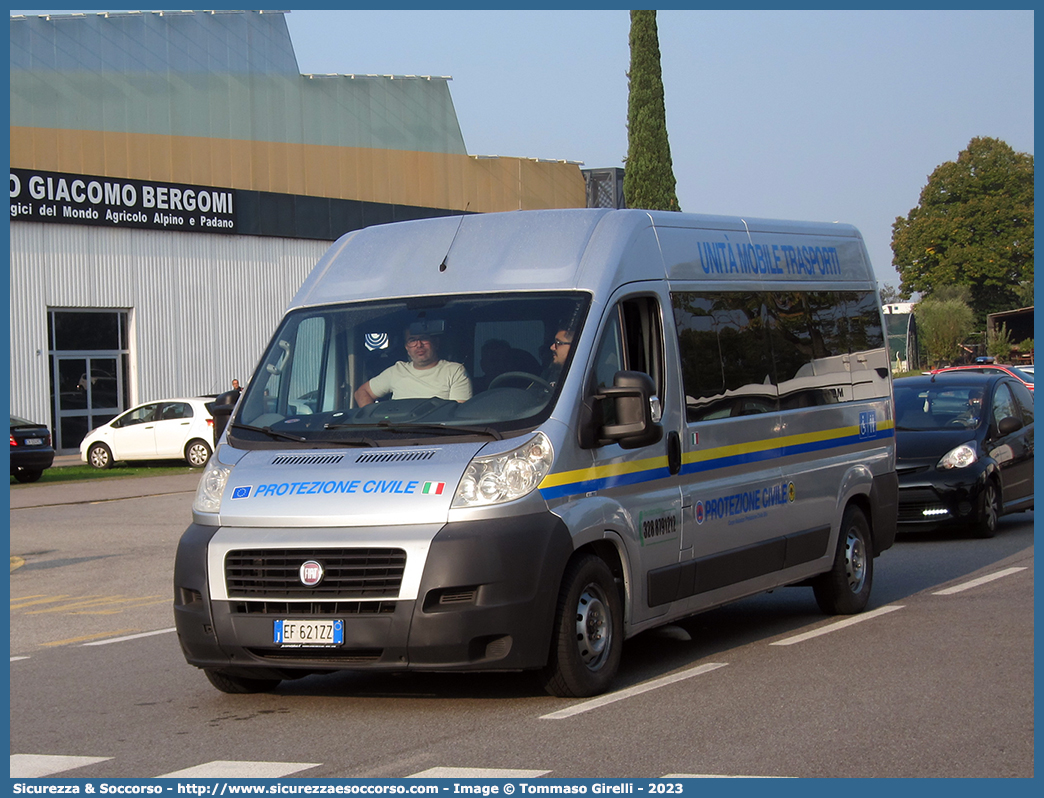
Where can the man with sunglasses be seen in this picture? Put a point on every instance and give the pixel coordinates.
(560, 353)
(425, 376)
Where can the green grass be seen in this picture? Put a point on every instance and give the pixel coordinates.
(78, 473)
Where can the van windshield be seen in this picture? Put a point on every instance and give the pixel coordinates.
(380, 372)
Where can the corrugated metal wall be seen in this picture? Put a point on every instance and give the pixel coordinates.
(202, 306)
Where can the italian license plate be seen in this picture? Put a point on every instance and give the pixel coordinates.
(33, 441)
(309, 633)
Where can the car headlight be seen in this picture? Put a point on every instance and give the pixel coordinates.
(505, 477)
(211, 486)
(961, 457)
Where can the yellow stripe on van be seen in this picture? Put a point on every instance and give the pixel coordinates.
(585, 480)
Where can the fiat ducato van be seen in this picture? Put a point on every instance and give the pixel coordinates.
(511, 441)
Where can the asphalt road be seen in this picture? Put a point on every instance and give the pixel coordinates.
(930, 683)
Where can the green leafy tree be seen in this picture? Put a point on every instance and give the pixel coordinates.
(649, 175)
(973, 227)
(889, 294)
(943, 325)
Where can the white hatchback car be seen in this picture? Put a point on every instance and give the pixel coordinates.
(168, 428)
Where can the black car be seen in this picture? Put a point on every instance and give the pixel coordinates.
(31, 450)
(964, 450)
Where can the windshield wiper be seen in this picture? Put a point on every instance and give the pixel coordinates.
(270, 432)
(444, 429)
(298, 439)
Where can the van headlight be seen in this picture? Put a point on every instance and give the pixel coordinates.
(505, 477)
(211, 486)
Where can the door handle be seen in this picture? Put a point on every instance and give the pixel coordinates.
(674, 453)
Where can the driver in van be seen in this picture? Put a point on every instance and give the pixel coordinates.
(425, 376)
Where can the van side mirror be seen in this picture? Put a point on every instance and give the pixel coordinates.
(631, 421)
(221, 409)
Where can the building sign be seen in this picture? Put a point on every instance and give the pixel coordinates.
(120, 202)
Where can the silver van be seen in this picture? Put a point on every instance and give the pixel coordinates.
(511, 441)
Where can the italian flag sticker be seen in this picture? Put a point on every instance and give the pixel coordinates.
(433, 487)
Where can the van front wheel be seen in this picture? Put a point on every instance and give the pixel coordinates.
(588, 633)
(845, 588)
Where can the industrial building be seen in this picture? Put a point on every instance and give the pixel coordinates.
(174, 177)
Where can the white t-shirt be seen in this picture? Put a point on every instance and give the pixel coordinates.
(444, 380)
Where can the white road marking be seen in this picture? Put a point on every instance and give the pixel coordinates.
(34, 766)
(477, 773)
(825, 630)
(225, 769)
(630, 692)
(130, 637)
(15, 659)
(982, 580)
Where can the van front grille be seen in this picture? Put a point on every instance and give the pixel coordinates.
(292, 609)
(347, 573)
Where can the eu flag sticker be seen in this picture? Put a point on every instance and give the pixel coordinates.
(242, 492)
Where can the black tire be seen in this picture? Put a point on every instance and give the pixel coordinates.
(197, 453)
(587, 637)
(238, 685)
(985, 526)
(99, 456)
(24, 475)
(845, 588)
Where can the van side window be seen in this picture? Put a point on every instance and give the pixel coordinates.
(756, 352)
(632, 341)
(727, 365)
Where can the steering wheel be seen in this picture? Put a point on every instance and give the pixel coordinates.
(520, 376)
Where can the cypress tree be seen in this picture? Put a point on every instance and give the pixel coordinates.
(649, 174)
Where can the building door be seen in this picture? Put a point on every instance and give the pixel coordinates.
(89, 362)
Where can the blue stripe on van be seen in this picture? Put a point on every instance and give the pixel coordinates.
(612, 478)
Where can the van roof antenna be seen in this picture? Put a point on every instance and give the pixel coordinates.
(443, 266)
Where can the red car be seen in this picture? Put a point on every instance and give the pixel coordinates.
(1025, 377)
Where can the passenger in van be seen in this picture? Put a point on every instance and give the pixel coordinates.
(425, 376)
(560, 352)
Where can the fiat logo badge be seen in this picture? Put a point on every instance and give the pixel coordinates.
(311, 573)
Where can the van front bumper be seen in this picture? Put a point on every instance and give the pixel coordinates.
(487, 600)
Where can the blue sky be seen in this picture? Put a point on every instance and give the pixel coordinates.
(811, 115)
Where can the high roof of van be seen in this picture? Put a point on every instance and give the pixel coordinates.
(593, 250)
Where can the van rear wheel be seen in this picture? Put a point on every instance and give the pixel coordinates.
(845, 588)
(239, 684)
(588, 633)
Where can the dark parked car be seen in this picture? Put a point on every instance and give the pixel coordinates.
(964, 449)
(31, 450)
